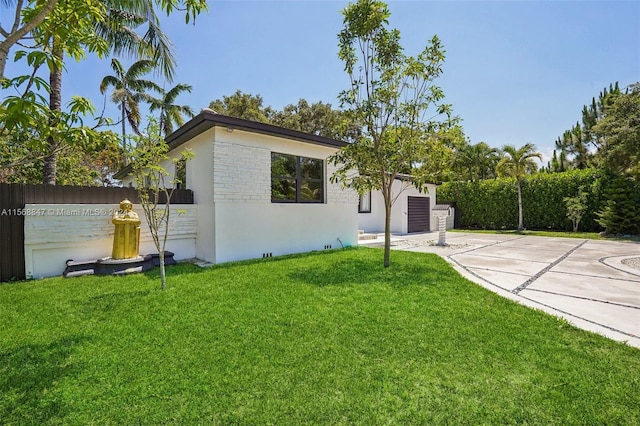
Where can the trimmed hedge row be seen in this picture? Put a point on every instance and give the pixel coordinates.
(493, 204)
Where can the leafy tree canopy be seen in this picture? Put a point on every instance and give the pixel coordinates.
(618, 131)
(607, 135)
(393, 99)
(34, 129)
(316, 118)
(242, 105)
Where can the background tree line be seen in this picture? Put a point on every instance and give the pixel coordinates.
(315, 118)
(607, 142)
(605, 145)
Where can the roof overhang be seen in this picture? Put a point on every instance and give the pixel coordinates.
(208, 119)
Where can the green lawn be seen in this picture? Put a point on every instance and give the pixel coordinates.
(327, 338)
(561, 234)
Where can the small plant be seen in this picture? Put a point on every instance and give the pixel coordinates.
(576, 207)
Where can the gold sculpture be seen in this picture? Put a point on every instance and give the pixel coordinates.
(126, 240)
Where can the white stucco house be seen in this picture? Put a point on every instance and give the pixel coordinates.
(260, 190)
(411, 211)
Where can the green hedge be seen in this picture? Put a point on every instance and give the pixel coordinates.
(493, 204)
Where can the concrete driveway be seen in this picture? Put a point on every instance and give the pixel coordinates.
(583, 281)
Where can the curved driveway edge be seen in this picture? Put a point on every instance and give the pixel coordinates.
(582, 281)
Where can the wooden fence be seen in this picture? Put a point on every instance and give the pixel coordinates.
(14, 197)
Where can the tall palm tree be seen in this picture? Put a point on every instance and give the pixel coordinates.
(118, 29)
(128, 91)
(170, 113)
(517, 162)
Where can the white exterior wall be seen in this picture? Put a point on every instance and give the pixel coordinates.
(84, 232)
(374, 221)
(248, 224)
(199, 172)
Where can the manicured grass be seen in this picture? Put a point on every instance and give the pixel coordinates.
(560, 234)
(327, 338)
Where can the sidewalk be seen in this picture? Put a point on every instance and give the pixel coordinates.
(583, 281)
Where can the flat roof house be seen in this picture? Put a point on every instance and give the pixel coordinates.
(260, 190)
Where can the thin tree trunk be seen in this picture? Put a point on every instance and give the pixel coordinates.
(124, 135)
(520, 219)
(166, 215)
(55, 107)
(163, 277)
(4, 54)
(386, 192)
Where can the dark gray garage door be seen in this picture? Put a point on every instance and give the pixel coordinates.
(418, 214)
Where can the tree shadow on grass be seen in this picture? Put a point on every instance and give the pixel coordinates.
(28, 378)
(367, 271)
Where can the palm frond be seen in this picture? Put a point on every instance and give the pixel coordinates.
(123, 40)
(117, 68)
(139, 68)
(171, 95)
(143, 9)
(107, 81)
(159, 48)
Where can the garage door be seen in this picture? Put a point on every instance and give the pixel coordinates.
(418, 214)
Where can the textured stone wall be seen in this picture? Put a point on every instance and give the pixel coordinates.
(241, 173)
(55, 233)
(338, 195)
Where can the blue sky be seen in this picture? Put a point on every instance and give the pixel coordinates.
(515, 72)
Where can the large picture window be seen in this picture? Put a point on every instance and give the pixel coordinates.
(296, 179)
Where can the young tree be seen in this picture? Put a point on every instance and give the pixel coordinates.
(576, 207)
(155, 187)
(516, 163)
(390, 97)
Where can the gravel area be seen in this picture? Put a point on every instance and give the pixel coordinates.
(634, 262)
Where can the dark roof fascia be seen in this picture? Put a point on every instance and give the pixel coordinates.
(208, 119)
(123, 172)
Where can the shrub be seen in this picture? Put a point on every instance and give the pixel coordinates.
(621, 212)
(492, 204)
